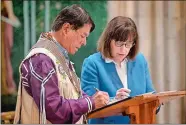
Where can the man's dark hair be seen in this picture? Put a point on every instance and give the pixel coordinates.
(75, 15)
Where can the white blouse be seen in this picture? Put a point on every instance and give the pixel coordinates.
(122, 71)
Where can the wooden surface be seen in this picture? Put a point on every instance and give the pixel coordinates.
(140, 108)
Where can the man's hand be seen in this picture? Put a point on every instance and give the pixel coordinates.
(100, 99)
(122, 93)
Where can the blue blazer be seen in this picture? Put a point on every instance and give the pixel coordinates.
(97, 73)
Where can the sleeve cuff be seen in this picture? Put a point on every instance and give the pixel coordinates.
(89, 103)
(92, 102)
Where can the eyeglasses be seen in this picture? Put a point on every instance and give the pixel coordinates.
(127, 44)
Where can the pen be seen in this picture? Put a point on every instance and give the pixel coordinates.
(96, 89)
(153, 92)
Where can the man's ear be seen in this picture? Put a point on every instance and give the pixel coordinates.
(66, 28)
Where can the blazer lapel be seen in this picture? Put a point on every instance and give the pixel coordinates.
(130, 66)
(114, 75)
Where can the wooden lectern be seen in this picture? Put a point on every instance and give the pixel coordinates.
(141, 109)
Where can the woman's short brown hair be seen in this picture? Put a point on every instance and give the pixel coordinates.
(118, 29)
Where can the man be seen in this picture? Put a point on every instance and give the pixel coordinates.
(49, 90)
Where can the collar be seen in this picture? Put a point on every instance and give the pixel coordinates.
(108, 60)
(47, 35)
(51, 38)
(62, 49)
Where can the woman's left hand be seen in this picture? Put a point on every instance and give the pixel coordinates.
(122, 93)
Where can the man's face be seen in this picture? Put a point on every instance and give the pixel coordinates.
(77, 38)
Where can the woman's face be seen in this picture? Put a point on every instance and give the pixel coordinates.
(120, 49)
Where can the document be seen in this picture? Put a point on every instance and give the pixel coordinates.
(113, 100)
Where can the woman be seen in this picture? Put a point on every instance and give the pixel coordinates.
(117, 67)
